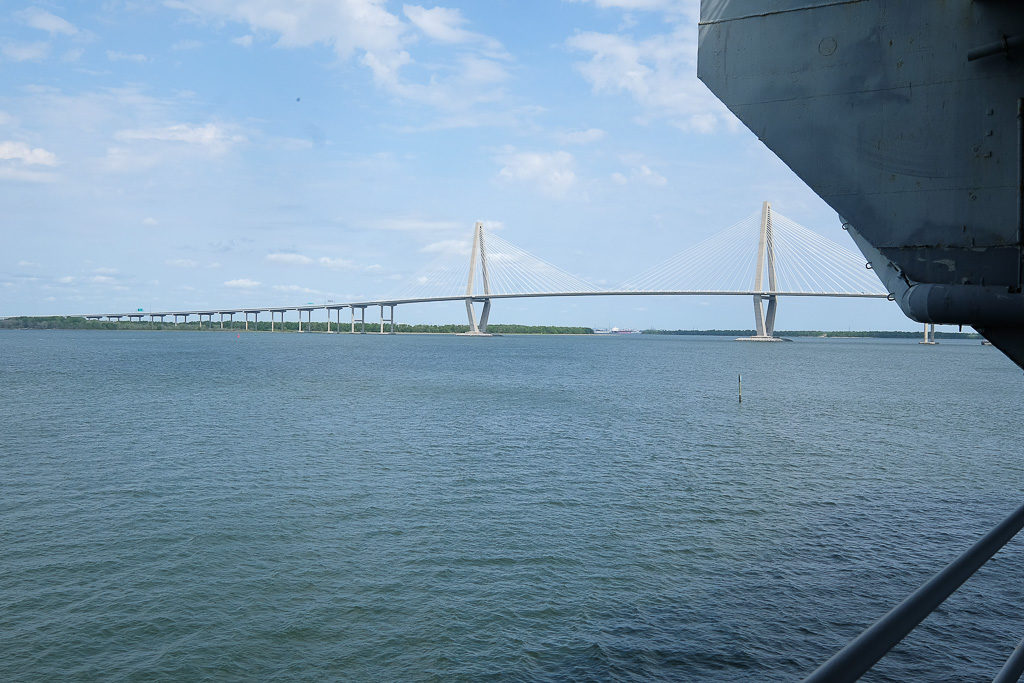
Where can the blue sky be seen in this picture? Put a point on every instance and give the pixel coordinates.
(209, 153)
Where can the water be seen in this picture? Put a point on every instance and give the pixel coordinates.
(281, 506)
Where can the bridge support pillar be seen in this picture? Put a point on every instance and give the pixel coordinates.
(478, 328)
(362, 319)
(769, 318)
(390, 320)
(764, 321)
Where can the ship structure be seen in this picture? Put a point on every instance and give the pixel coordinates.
(906, 117)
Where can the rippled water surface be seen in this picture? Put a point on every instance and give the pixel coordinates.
(184, 505)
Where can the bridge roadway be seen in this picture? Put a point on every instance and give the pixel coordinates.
(469, 299)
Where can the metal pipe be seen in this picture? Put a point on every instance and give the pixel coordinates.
(1013, 668)
(1002, 47)
(859, 655)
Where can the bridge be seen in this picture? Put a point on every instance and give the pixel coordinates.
(765, 256)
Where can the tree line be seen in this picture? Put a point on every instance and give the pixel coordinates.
(57, 322)
(878, 334)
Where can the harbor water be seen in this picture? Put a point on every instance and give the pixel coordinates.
(256, 506)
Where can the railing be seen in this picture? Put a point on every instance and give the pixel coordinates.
(865, 650)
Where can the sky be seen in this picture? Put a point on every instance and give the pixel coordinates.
(225, 153)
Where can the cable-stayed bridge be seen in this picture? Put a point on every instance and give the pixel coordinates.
(765, 256)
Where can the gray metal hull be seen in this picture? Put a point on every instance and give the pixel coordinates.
(876, 106)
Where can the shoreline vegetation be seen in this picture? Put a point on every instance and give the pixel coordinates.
(57, 322)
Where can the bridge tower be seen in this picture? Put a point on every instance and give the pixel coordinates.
(475, 327)
(764, 321)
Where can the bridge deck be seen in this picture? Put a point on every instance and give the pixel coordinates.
(475, 297)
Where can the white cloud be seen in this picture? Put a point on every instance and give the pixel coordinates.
(642, 173)
(450, 247)
(440, 23)
(19, 155)
(646, 175)
(480, 71)
(26, 175)
(139, 131)
(551, 173)
(32, 156)
(214, 137)
(296, 288)
(115, 56)
(102, 280)
(182, 263)
(27, 264)
(242, 283)
(150, 221)
(244, 41)
(44, 21)
(379, 40)
(416, 224)
(679, 5)
(658, 72)
(346, 25)
(469, 82)
(125, 159)
(289, 259)
(339, 263)
(582, 137)
(25, 52)
(445, 25)
(66, 280)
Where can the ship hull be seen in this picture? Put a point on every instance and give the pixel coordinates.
(887, 111)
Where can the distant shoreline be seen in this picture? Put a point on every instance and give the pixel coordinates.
(373, 327)
(57, 322)
(824, 334)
